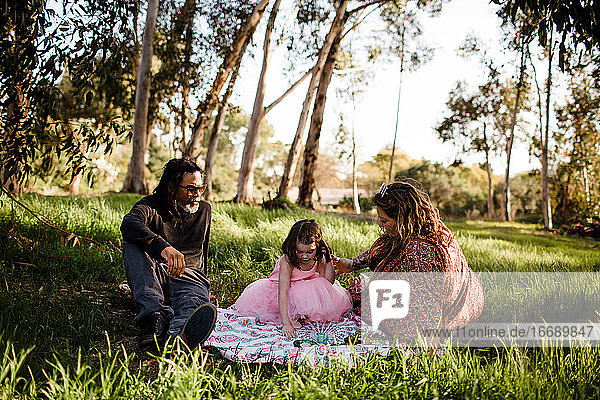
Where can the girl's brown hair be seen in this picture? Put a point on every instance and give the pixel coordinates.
(409, 205)
(306, 231)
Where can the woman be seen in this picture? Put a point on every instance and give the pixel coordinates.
(445, 292)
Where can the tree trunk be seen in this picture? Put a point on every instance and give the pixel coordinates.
(183, 115)
(311, 150)
(135, 180)
(231, 60)
(546, 205)
(75, 182)
(185, 80)
(244, 187)
(506, 212)
(215, 133)
(355, 198)
(291, 161)
(488, 170)
(398, 103)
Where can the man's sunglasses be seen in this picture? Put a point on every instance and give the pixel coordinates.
(193, 190)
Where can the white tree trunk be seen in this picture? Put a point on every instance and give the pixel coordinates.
(511, 138)
(244, 187)
(546, 205)
(135, 179)
(311, 149)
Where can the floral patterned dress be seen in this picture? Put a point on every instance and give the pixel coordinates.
(447, 291)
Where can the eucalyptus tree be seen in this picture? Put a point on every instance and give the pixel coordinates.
(300, 30)
(172, 46)
(577, 25)
(243, 25)
(578, 137)
(311, 149)
(244, 186)
(215, 134)
(39, 44)
(357, 14)
(135, 181)
(520, 33)
(470, 122)
(577, 22)
(542, 143)
(336, 25)
(356, 64)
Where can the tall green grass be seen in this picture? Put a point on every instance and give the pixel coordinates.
(57, 309)
(467, 373)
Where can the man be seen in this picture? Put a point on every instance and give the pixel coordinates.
(166, 245)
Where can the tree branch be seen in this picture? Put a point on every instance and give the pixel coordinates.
(367, 5)
(290, 90)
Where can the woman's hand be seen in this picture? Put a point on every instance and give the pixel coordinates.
(342, 264)
(288, 331)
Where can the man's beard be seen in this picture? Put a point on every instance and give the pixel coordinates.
(190, 207)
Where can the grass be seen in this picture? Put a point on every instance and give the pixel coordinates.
(66, 329)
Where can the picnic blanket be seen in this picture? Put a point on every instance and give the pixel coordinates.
(246, 339)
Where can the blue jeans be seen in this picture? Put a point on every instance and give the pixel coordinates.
(176, 297)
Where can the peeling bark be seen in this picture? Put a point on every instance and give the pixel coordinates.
(135, 181)
(311, 150)
(290, 165)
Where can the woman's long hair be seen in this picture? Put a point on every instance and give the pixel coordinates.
(306, 231)
(409, 205)
(166, 190)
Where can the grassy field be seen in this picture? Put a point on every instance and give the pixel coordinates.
(66, 328)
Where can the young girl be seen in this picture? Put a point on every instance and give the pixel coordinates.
(300, 287)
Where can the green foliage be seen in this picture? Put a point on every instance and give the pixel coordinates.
(279, 203)
(158, 155)
(376, 170)
(577, 182)
(365, 203)
(576, 21)
(526, 192)
(34, 128)
(455, 191)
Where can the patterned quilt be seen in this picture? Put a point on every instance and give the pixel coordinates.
(246, 339)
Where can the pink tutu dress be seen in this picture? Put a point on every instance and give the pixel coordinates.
(310, 296)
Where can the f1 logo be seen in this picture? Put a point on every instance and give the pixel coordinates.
(389, 299)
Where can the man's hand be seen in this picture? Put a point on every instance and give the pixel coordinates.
(175, 261)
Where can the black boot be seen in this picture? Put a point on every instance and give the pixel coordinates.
(154, 329)
(199, 325)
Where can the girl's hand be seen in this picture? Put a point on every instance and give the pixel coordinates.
(325, 251)
(288, 331)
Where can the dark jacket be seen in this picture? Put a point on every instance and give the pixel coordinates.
(151, 228)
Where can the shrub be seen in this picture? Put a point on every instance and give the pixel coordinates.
(365, 203)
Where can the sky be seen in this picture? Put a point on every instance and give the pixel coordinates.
(424, 93)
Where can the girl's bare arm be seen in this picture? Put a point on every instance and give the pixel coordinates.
(326, 270)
